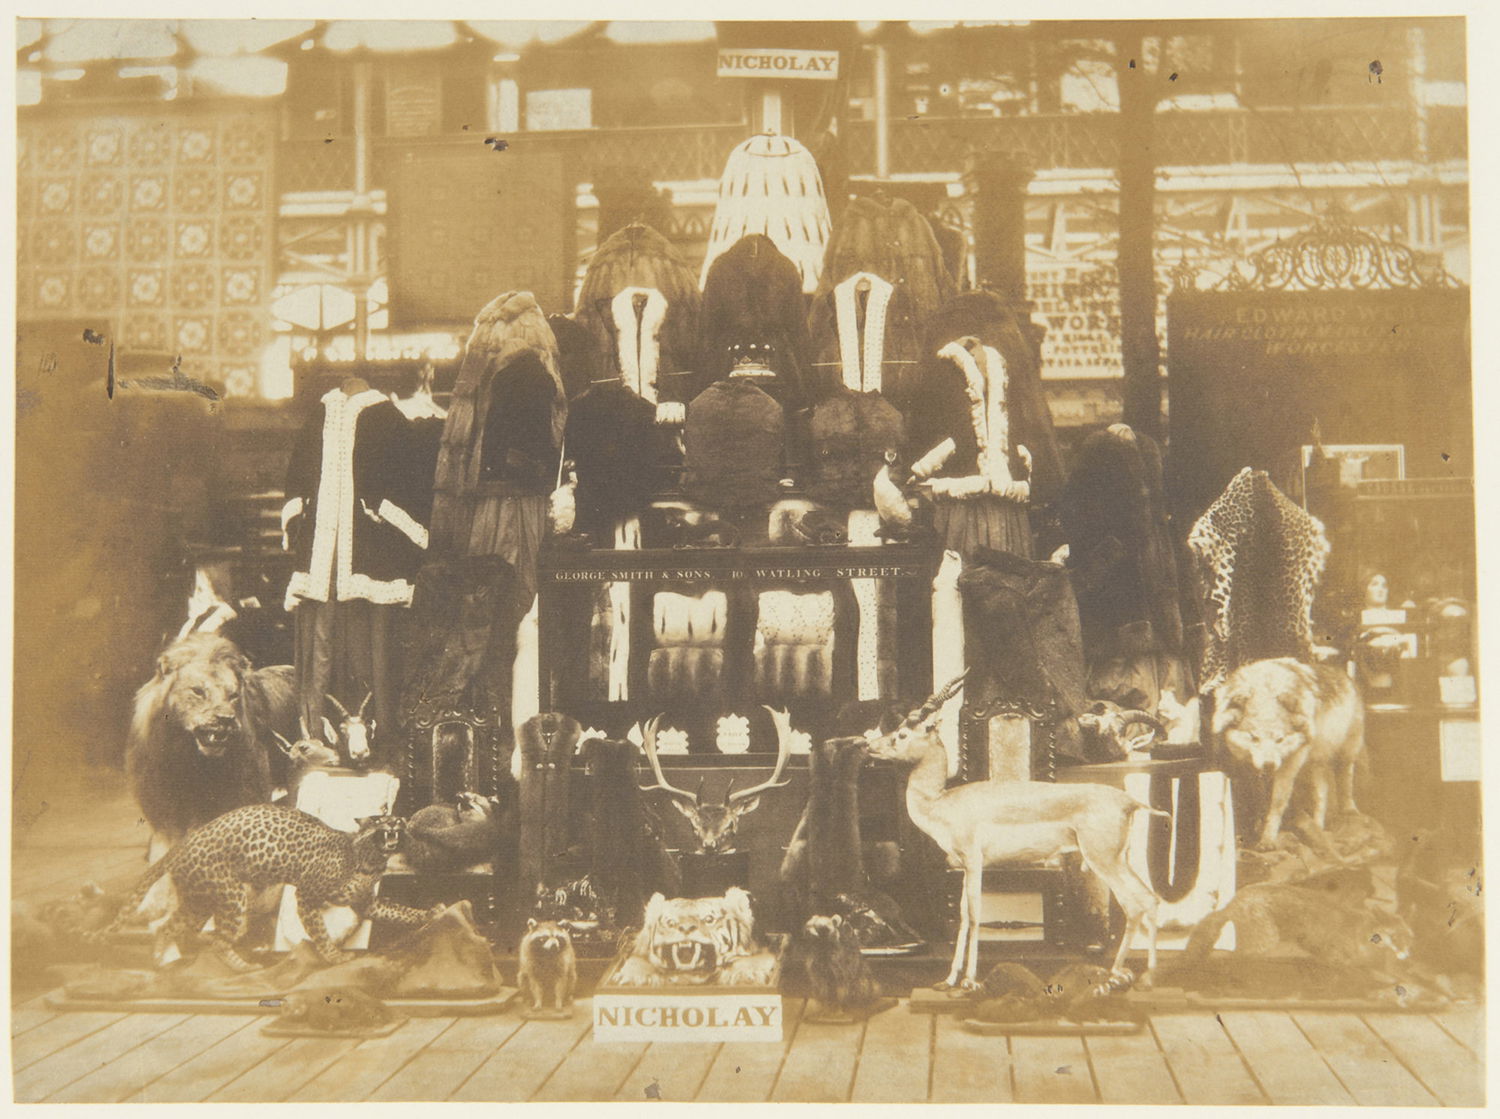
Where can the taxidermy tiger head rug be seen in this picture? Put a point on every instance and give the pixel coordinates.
(202, 735)
(697, 940)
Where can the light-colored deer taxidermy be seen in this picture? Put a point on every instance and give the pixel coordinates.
(992, 823)
(716, 825)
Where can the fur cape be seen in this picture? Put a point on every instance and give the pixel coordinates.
(890, 238)
(848, 435)
(753, 296)
(732, 442)
(1120, 549)
(660, 339)
(511, 341)
(866, 337)
(175, 785)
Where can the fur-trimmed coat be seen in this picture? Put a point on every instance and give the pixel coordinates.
(889, 237)
(359, 498)
(866, 337)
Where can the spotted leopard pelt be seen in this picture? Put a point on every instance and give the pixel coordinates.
(1257, 558)
(218, 868)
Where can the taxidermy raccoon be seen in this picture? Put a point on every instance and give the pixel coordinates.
(548, 969)
(1284, 717)
(451, 837)
(838, 976)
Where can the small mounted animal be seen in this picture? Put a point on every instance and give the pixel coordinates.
(548, 968)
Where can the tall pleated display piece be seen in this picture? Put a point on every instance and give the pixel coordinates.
(889, 237)
(502, 438)
(645, 340)
(771, 185)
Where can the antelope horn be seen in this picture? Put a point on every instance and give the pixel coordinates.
(333, 699)
(286, 747)
(1136, 716)
(934, 702)
(365, 703)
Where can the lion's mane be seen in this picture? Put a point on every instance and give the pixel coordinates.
(176, 785)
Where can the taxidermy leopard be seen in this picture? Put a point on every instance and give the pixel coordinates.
(217, 868)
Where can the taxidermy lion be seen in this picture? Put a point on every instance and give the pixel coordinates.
(1285, 717)
(697, 940)
(201, 738)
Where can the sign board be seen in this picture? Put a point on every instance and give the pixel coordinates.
(1252, 371)
(660, 1016)
(777, 63)
(469, 220)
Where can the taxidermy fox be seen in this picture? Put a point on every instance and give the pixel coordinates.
(1283, 716)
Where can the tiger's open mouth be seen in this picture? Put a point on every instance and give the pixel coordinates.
(213, 740)
(686, 955)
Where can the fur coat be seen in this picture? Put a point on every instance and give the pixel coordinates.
(866, 337)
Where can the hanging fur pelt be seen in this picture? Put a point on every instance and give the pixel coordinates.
(771, 185)
(645, 342)
(628, 861)
(619, 451)
(753, 296)
(890, 238)
(510, 334)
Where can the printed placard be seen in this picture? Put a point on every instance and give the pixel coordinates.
(777, 62)
(753, 1016)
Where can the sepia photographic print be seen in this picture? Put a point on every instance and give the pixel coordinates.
(824, 561)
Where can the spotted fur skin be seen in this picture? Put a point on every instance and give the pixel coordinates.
(217, 868)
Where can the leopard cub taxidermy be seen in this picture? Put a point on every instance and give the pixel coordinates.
(217, 868)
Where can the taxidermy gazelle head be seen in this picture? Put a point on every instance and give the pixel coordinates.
(918, 732)
(715, 825)
(354, 730)
(307, 750)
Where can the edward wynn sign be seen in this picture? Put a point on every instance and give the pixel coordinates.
(777, 62)
(699, 1017)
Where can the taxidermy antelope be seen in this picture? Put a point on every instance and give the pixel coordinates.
(715, 825)
(991, 823)
(307, 751)
(354, 730)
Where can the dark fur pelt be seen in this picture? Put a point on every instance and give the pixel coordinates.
(1121, 557)
(938, 407)
(176, 785)
(629, 860)
(1024, 640)
(733, 442)
(620, 454)
(753, 295)
(639, 256)
(890, 238)
(900, 357)
(578, 356)
(849, 433)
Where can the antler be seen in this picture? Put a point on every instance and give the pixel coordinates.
(934, 703)
(648, 744)
(783, 721)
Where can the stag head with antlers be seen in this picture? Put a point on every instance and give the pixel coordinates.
(354, 729)
(715, 825)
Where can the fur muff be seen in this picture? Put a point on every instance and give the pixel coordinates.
(753, 296)
(201, 737)
(619, 452)
(1120, 552)
(889, 237)
(640, 257)
(510, 335)
(732, 442)
(849, 434)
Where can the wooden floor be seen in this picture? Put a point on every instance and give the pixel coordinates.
(1197, 1058)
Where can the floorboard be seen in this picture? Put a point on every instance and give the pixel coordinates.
(78, 1060)
(1370, 1070)
(1466, 1023)
(969, 1068)
(128, 1073)
(895, 1062)
(370, 1063)
(671, 1072)
(1446, 1069)
(745, 1072)
(591, 1071)
(1290, 1070)
(820, 1067)
(528, 1057)
(1130, 1069)
(437, 1072)
(55, 1034)
(195, 1080)
(1203, 1060)
(285, 1071)
(1052, 1070)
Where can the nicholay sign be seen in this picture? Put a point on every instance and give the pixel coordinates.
(777, 62)
(753, 1016)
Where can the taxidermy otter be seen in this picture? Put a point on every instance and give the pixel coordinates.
(838, 977)
(451, 837)
(548, 969)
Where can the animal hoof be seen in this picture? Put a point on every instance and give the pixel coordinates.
(1145, 981)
